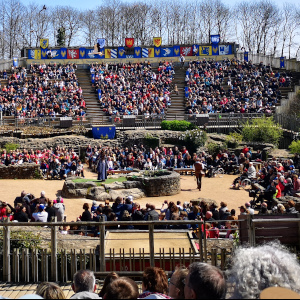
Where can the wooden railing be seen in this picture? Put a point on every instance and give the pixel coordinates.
(29, 265)
(50, 264)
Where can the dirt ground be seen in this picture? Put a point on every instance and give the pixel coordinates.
(213, 188)
(139, 240)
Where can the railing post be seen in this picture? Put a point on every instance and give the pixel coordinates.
(54, 252)
(200, 241)
(6, 252)
(151, 245)
(102, 246)
(251, 231)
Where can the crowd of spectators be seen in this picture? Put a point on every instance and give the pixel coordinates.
(253, 272)
(55, 163)
(232, 86)
(133, 89)
(28, 208)
(42, 90)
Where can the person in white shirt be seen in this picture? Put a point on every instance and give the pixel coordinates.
(40, 216)
(251, 171)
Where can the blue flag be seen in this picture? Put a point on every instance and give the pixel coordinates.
(167, 52)
(215, 39)
(186, 92)
(121, 52)
(176, 50)
(82, 52)
(99, 94)
(104, 132)
(93, 78)
(246, 56)
(157, 52)
(63, 53)
(282, 62)
(137, 52)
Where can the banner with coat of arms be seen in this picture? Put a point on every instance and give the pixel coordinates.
(44, 43)
(101, 43)
(157, 41)
(137, 52)
(129, 42)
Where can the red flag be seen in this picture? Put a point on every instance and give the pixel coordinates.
(129, 42)
(73, 54)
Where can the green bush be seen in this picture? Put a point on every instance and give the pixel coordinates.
(11, 147)
(193, 139)
(295, 147)
(177, 125)
(213, 148)
(262, 130)
(23, 239)
(233, 140)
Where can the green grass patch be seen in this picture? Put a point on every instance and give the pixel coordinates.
(107, 181)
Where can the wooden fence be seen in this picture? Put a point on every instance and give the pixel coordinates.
(50, 264)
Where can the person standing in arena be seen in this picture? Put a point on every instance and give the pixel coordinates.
(102, 167)
(199, 172)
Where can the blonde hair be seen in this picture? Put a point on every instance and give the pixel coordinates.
(49, 290)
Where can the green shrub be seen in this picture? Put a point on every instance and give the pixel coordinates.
(177, 125)
(11, 147)
(295, 147)
(23, 239)
(233, 140)
(213, 148)
(193, 139)
(151, 141)
(262, 130)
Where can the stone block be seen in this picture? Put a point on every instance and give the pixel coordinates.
(114, 186)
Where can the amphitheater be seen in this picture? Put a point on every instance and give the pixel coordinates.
(115, 248)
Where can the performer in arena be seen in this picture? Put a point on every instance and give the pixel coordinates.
(102, 167)
(199, 172)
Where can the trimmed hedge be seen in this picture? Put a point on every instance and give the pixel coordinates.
(177, 125)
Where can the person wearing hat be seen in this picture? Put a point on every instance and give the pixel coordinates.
(248, 207)
(41, 215)
(94, 206)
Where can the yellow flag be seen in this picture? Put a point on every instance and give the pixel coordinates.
(107, 53)
(150, 52)
(37, 54)
(157, 41)
(205, 50)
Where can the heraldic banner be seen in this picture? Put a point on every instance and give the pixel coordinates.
(129, 42)
(157, 41)
(104, 132)
(44, 43)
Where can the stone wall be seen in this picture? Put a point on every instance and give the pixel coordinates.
(25, 171)
(167, 184)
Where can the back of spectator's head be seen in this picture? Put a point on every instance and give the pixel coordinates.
(291, 203)
(41, 207)
(255, 269)
(43, 194)
(223, 204)
(204, 281)
(49, 290)
(155, 280)
(84, 281)
(122, 288)
(208, 215)
(108, 279)
(176, 283)
(86, 206)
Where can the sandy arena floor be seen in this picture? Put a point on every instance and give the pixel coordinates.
(214, 188)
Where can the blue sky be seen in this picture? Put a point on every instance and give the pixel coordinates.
(90, 4)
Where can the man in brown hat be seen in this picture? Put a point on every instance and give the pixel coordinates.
(199, 172)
